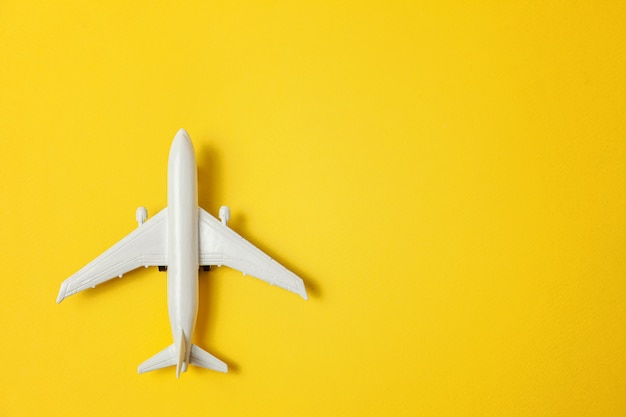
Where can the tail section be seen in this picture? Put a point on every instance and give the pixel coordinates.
(172, 355)
(175, 354)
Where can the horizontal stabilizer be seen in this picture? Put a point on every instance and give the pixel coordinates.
(166, 357)
(169, 357)
(203, 359)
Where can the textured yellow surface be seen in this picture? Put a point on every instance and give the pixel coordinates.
(449, 179)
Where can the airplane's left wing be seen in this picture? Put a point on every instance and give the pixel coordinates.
(145, 246)
(220, 245)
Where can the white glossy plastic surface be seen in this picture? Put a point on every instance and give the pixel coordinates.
(182, 237)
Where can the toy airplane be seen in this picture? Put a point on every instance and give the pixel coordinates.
(180, 239)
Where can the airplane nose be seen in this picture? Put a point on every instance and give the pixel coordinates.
(182, 134)
(182, 148)
(181, 142)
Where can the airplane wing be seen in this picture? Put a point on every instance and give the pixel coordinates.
(220, 245)
(145, 246)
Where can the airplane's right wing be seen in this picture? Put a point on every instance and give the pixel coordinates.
(220, 245)
(145, 246)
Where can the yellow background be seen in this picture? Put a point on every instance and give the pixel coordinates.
(448, 178)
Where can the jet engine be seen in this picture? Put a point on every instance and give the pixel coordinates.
(141, 215)
(224, 215)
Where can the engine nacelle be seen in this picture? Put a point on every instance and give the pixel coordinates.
(224, 215)
(141, 215)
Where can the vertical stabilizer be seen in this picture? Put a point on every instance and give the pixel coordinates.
(180, 353)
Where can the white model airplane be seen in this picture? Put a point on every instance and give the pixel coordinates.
(182, 238)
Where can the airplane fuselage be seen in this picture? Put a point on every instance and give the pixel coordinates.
(182, 238)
